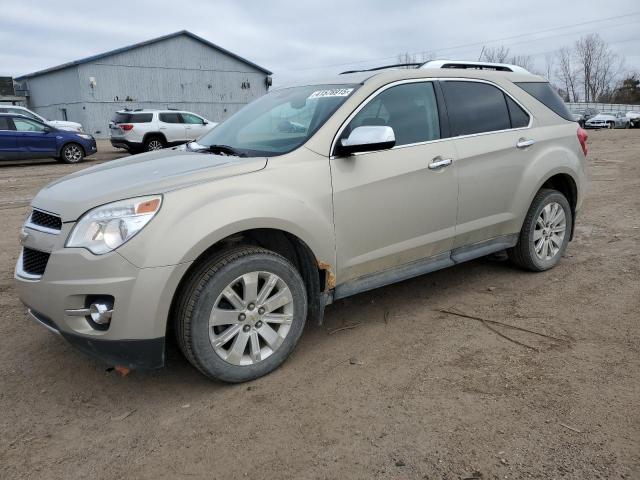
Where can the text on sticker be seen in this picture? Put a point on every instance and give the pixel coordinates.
(335, 92)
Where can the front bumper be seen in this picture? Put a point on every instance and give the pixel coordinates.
(127, 353)
(142, 300)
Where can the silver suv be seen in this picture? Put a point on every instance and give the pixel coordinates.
(146, 130)
(309, 194)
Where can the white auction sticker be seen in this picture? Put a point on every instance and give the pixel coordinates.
(336, 92)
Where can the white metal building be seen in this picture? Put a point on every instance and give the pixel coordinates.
(180, 70)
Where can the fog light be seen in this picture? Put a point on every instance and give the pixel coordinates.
(100, 313)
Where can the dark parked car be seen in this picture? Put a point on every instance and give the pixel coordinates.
(22, 137)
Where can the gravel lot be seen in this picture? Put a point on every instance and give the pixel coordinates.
(410, 392)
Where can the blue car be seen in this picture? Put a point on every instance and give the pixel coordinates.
(23, 137)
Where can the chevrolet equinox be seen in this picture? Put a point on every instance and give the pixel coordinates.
(309, 194)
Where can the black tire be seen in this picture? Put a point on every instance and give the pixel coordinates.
(71, 153)
(199, 295)
(523, 254)
(154, 142)
(611, 125)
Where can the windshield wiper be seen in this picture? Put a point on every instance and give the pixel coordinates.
(226, 150)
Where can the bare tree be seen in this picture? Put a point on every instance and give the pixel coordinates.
(549, 64)
(407, 57)
(495, 54)
(524, 61)
(599, 66)
(567, 73)
(502, 54)
(415, 57)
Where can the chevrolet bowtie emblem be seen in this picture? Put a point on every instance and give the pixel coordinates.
(23, 236)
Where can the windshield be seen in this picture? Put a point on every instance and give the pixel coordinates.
(278, 122)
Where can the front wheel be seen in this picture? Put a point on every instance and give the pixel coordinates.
(71, 153)
(545, 232)
(241, 314)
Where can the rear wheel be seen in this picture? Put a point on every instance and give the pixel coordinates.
(241, 314)
(545, 232)
(71, 153)
(154, 143)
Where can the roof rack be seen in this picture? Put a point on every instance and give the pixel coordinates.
(500, 67)
(395, 65)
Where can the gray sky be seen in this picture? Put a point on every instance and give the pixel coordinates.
(303, 39)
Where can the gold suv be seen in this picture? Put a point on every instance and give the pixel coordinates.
(309, 194)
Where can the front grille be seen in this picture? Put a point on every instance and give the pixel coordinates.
(46, 220)
(34, 262)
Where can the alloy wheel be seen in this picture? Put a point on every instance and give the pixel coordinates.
(154, 145)
(251, 318)
(549, 232)
(73, 154)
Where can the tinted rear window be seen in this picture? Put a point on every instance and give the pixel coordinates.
(133, 117)
(544, 93)
(475, 107)
(4, 124)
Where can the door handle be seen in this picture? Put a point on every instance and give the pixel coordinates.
(439, 162)
(524, 143)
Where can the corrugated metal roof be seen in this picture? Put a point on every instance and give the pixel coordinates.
(142, 44)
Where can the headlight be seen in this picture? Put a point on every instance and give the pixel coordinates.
(105, 228)
(84, 135)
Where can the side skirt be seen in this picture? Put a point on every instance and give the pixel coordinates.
(422, 266)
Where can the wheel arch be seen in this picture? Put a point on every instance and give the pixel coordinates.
(565, 183)
(317, 275)
(154, 134)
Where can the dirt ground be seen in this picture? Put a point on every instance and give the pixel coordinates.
(410, 392)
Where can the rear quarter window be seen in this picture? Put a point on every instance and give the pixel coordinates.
(544, 93)
(519, 118)
(132, 117)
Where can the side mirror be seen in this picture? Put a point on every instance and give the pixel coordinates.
(47, 129)
(367, 139)
(204, 122)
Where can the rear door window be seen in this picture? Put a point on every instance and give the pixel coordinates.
(170, 117)
(544, 93)
(475, 107)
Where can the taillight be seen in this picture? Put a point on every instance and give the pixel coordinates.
(126, 126)
(582, 138)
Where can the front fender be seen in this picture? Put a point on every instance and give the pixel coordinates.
(193, 219)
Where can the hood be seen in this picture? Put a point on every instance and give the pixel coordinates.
(602, 116)
(63, 124)
(144, 174)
